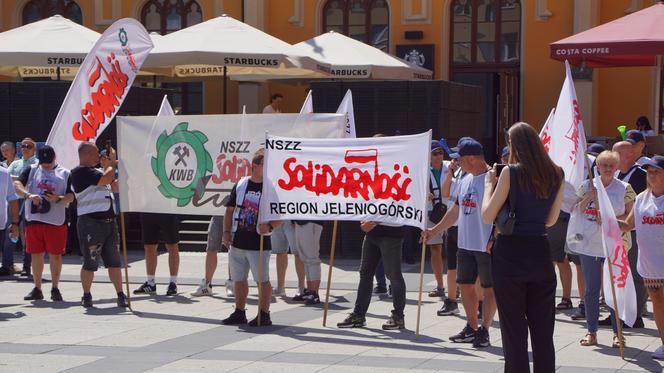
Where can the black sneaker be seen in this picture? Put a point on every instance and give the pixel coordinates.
(56, 296)
(481, 338)
(450, 307)
(299, 297)
(565, 304)
(86, 300)
(25, 272)
(638, 323)
(5, 271)
(122, 300)
(172, 289)
(146, 288)
(437, 292)
(352, 321)
(579, 314)
(236, 318)
(265, 320)
(380, 290)
(34, 294)
(467, 335)
(605, 322)
(311, 299)
(394, 323)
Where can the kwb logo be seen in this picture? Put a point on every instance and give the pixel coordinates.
(353, 181)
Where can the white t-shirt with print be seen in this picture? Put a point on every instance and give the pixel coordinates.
(649, 222)
(473, 233)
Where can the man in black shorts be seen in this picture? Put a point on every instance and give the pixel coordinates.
(97, 228)
(169, 225)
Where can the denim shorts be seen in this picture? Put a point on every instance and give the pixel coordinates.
(471, 264)
(98, 238)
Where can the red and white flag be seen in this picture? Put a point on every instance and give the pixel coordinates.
(346, 107)
(616, 258)
(563, 135)
(100, 87)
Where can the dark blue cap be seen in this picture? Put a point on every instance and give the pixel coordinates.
(46, 154)
(634, 136)
(435, 145)
(467, 146)
(505, 152)
(656, 161)
(595, 149)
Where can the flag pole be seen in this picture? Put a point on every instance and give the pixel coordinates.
(329, 272)
(419, 293)
(260, 279)
(618, 321)
(124, 255)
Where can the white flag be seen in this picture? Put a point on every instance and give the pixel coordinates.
(100, 87)
(616, 257)
(308, 105)
(544, 133)
(346, 107)
(563, 135)
(165, 109)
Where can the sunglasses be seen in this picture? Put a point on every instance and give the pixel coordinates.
(27, 146)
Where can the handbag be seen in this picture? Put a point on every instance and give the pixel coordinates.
(506, 217)
(437, 213)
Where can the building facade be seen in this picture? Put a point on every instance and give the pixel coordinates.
(501, 45)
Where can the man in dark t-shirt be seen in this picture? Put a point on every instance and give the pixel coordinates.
(97, 228)
(242, 234)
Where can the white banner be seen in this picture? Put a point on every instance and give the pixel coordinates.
(100, 87)
(381, 179)
(563, 135)
(616, 257)
(192, 162)
(346, 107)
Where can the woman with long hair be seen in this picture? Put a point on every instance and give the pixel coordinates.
(524, 279)
(590, 247)
(647, 217)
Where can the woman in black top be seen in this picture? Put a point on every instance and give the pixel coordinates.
(524, 279)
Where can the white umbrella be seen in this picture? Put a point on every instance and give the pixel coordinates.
(352, 59)
(42, 48)
(226, 46)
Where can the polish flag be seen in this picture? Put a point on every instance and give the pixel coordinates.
(616, 263)
(563, 135)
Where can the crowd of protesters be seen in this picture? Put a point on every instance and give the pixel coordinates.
(506, 267)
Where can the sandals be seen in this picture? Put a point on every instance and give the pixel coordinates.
(589, 340)
(565, 304)
(617, 341)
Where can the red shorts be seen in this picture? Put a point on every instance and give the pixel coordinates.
(48, 238)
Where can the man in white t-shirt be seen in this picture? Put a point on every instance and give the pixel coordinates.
(275, 104)
(473, 257)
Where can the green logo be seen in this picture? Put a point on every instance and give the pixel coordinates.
(181, 162)
(122, 35)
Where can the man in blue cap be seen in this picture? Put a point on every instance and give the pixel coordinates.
(474, 241)
(638, 142)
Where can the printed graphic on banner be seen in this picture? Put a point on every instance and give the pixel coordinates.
(373, 179)
(192, 162)
(101, 85)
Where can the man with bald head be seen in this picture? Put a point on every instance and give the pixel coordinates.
(630, 172)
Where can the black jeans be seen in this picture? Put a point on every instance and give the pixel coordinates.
(524, 283)
(373, 249)
(639, 286)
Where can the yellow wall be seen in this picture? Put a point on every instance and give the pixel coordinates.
(621, 94)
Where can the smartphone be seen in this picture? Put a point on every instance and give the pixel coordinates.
(499, 168)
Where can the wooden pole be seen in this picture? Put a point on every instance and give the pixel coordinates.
(329, 272)
(124, 255)
(260, 279)
(419, 293)
(618, 321)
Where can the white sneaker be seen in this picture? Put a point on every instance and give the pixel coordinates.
(230, 288)
(278, 292)
(659, 353)
(204, 289)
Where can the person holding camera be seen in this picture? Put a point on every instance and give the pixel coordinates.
(524, 199)
(46, 190)
(437, 209)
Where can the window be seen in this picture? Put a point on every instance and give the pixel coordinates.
(164, 17)
(486, 32)
(365, 20)
(36, 10)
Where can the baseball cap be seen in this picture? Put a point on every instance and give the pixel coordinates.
(435, 145)
(634, 136)
(656, 161)
(595, 149)
(467, 146)
(46, 154)
(505, 152)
